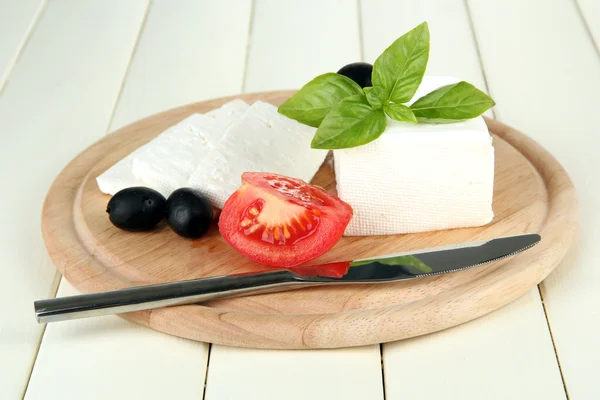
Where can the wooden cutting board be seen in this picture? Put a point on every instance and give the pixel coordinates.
(533, 194)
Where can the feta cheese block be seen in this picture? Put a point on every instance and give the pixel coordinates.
(261, 140)
(119, 176)
(166, 162)
(419, 177)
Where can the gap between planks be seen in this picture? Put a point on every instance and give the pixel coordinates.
(3, 83)
(483, 72)
(361, 42)
(553, 342)
(248, 43)
(53, 292)
(206, 372)
(58, 276)
(22, 45)
(128, 67)
(382, 368)
(243, 89)
(478, 52)
(586, 26)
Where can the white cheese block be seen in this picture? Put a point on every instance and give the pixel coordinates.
(419, 177)
(118, 177)
(166, 162)
(167, 165)
(261, 140)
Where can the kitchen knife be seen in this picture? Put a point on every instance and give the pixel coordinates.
(388, 268)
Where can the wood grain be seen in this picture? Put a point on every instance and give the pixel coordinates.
(58, 100)
(502, 355)
(532, 194)
(163, 65)
(590, 12)
(122, 361)
(514, 342)
(16, 23)
(503, 28)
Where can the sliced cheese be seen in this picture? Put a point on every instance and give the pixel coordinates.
(169, 162)
(419, 177)
(119, 176)
(166, 162)
(261, 140)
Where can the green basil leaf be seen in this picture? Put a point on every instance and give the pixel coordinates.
(377, 97)
(399, 112)
(452, 103)
(313, 101)
(367, 89)
(400, 68)
(350, 123)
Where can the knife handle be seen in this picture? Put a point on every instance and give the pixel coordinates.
(162, 295)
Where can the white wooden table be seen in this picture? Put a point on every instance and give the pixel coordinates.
(73, 70)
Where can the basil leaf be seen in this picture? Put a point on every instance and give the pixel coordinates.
(399, 112)
(350, 123)
(377, 97)
(400, 68)
(367, 89)
(313, 101)
(452, 103)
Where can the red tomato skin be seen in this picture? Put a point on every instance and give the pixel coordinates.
(334, 216)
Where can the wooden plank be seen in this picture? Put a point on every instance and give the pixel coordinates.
(554, 99)
(454, 52)
(58, 101)
(383, 21)
(133, 359)
(108, 357)
(590, 11)
(189, 51)
(294, 41)
(17, 19)
(353, 373)
(500, 356)
(285, 52)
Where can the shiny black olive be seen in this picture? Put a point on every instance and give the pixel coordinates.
(359, 72)
(189, 213)
(136, 208)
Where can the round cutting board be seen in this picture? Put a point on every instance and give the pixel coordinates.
(533, 194)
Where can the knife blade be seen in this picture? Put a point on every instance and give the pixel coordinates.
(388, 268)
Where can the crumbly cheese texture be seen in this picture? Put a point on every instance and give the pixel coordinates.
(166, 162)
(419, 177)
(261, 140)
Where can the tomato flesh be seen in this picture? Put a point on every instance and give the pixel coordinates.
(282, 221)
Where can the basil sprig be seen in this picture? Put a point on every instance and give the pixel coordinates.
(311, 104)
(348, 116)
(400, 68)
(350, 123)
(452, 103)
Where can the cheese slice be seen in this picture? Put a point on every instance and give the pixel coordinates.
(119, 176)
(167, 165)
(261, 140)
(166, 162)
(419, 177)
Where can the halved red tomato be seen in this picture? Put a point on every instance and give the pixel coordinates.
(282, 221)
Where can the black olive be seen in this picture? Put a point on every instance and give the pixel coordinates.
(189, 213)
(359, 72)
(136, 208)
